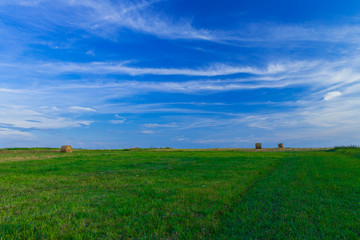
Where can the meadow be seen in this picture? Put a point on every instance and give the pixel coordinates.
(180, 194)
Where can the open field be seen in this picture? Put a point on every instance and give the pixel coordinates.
(180, 194)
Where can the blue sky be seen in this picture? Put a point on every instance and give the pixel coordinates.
(183, 74)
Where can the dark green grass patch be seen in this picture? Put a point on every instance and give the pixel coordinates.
(310, 196)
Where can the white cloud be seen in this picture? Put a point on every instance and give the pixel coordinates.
(90, 52)
(105, 17)
(311, 123)
(147, 132)
(102, 68)
(137, 16)
(332, 95)
(119, 119)
(81, 109)
(7, 90)
(22, 117)
(155, 125)
(12, 132)
(322, 77)
(23, 2)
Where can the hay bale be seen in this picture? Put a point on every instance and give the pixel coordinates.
(66, 149)
(280, 145)
(258, 145)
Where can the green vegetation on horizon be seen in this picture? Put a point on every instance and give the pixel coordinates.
(152, 194)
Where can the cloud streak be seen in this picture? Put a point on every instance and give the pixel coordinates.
(102, 17)
(106, 17)
(81, 109)
(121, 68)
(22, 117)
(8, 132)
(323, 78)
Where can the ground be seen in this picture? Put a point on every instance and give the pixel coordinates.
(180, 194)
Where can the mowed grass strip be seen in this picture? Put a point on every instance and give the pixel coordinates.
(126, 194)
(313, 195)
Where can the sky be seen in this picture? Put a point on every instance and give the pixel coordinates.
(183, 74)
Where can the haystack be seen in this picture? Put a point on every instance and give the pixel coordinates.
(66, 149)
(280, 145)
(258, 145)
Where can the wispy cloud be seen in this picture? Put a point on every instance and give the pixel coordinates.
(102, 68)
(19, 119)
(311, 123)
(106, 17)
(329, 74)
(91, 52)
(103, 17)
(325, 79)
(119, 119)
(138, 16)
(271, 32)
(8, 132)
(81, 109)
(156, 125)
(331, 95)
(147, 132)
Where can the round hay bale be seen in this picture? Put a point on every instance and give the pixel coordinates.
(66, 149)
(258, 145)
(280, 145)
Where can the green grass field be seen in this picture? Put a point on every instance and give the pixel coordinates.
(174, 194)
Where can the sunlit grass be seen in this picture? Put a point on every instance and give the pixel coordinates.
(170, 194)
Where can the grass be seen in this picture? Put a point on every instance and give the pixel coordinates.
(173, 194)
(313, 196)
